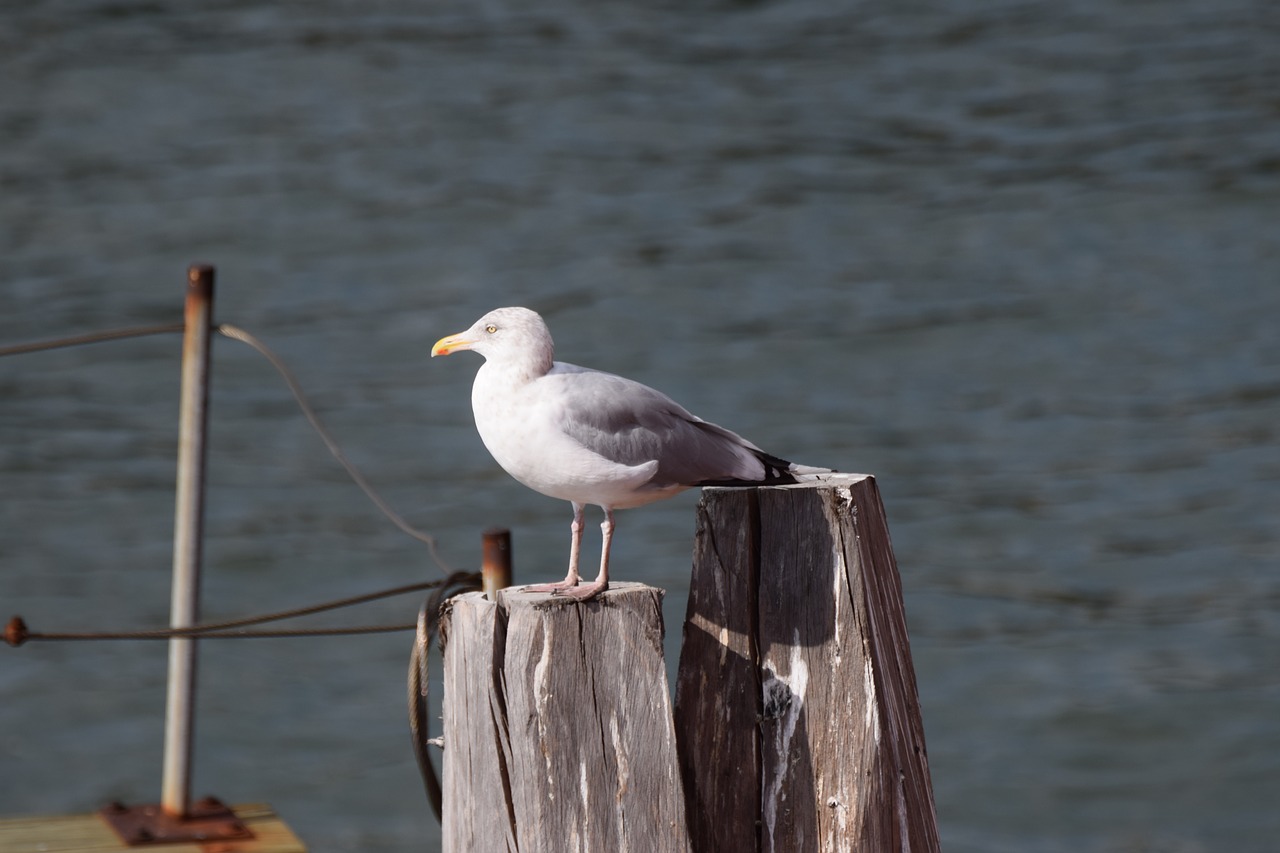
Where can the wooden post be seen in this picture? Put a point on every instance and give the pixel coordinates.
(796, 709)
(557, 725)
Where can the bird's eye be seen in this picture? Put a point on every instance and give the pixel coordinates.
(491, 328)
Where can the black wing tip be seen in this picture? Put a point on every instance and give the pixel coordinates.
(777, 472)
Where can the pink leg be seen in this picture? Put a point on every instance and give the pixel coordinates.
(601, 583)
(575, 544)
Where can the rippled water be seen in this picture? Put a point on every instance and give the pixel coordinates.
(1019, 260)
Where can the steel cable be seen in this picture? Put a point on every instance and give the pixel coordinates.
(91, 338)
(17, 632)
(238, 334)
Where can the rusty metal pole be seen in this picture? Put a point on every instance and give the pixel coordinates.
(187, 540)
(495, 562)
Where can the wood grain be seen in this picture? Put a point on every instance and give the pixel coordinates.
(570, 701)
(795, 595)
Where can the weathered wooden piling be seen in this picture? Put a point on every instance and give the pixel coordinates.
(557, 725)
(796, 715)
(796, 708)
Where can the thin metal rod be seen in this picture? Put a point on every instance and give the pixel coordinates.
(495, 562)
(187, 540)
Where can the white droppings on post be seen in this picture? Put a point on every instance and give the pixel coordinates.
(619, 756)
(623, 844)
(838, 577)
(840, 573)
(841, 812)
(796, 682)
(872, 722)
(542, 697)
(540, 672)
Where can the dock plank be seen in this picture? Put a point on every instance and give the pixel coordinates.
(89, 832)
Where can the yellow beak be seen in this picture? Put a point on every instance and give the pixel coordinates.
(451, 344)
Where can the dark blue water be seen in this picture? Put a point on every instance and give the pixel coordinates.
(1019, 260)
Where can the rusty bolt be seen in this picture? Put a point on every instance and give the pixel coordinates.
(15, 633)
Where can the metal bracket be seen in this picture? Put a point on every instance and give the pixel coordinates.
(208, 820)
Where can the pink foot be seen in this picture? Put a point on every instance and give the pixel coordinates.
(586, 592)
(557, 587)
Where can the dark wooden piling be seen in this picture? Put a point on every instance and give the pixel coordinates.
(796, 709)
(557, 725)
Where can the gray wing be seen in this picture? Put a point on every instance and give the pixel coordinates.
(631, 424)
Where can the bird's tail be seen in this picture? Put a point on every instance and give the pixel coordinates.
(809, 473)
(777, 472)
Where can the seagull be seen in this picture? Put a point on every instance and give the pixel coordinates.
(593, 438)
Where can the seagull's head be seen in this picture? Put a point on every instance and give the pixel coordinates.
(508, 335)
